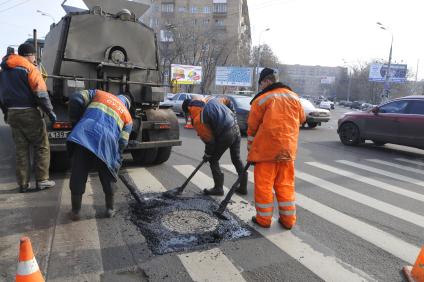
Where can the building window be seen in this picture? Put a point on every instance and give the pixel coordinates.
(193, 9)
(168, 8)
(182, 9)
(166, 36)
(220, 8)
(206, 21)
(219, 22)
(207, 10)
(154, 22)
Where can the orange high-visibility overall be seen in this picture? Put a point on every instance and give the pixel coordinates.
(273, 130)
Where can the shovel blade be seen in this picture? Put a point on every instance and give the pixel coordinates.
(173, 193)
(220, 215)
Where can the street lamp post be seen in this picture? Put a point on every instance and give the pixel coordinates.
(47, 15)
(259, 57)
(349, 83)
(386, 90)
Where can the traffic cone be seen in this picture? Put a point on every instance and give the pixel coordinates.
(416, 273)
(189, 123)
(28, 270)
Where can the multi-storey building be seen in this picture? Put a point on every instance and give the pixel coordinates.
(224, 23)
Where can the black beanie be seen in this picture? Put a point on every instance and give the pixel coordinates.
(185, 105)
(26, 49)
(264, 73)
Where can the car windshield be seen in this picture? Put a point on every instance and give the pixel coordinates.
(242, 102)
(306, 104)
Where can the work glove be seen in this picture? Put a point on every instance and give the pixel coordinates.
(52, 117)
(206, 157)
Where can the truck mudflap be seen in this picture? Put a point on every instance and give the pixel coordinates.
(134, 145)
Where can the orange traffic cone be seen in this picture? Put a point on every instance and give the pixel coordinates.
(189, 123)
(28, 270)
(416, 273)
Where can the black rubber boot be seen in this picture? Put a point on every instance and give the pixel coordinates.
(218, 189)
(242, 189)
(110, 200)
(76, 207)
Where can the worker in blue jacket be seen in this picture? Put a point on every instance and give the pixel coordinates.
(102, 128)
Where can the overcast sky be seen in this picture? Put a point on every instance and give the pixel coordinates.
(308, 32)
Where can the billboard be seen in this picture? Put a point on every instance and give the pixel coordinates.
(328, 80)
(233, 76)
(397, 72)
(185, 74)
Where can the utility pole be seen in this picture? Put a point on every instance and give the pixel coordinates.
(386, 91)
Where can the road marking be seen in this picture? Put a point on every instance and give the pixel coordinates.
(76, 241)
(328, 268)
(382, 172)
(403, 167)
(370, 181)
(210, 265)
(150, 183)
(379, 238)
(389, 209)
(411, 161)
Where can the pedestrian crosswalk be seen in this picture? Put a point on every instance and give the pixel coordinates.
(312, 255)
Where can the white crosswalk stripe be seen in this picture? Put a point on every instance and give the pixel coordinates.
(403, 167)
(327, 267)
(381, 239)
(209, 265)
(370, 181)
(383, 172)
(419, 163)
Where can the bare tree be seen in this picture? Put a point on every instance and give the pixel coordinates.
(265, 55)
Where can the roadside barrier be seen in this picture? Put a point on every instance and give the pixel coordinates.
(28, 270)
(415, 273)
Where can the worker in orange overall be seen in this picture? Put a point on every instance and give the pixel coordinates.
(273, 129)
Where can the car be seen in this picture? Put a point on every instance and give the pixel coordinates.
(326, 105)
(314, 116)
(242, 107)
(366, 106)
(177, 100)
(356, 105)
(399, 121)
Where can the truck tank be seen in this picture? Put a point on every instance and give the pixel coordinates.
(108, 48)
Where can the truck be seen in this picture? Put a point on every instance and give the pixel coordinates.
(106, 47)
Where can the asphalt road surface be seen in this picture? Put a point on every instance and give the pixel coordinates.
(360, 218)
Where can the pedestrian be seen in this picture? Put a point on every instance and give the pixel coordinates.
(101, 128)
(217, 127)
(23, 93)
(273, 129)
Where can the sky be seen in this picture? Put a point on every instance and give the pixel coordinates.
(307, 32)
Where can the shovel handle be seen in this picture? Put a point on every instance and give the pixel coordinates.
(180, 190)
(230, 193)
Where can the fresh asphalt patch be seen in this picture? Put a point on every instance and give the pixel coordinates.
(183, 224)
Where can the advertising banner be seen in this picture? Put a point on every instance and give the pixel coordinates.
(234, 76)
(185, 74)
(328, 80)
(397, 72)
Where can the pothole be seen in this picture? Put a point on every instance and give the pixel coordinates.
(189, 221)
(183, 223)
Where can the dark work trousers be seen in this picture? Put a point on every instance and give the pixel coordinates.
(83, 161)
(230, 139)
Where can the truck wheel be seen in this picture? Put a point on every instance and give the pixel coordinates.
(312, 124)
(144, 156)
(59, 161)
(163, 155)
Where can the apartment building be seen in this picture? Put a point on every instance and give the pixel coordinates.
(222, 19)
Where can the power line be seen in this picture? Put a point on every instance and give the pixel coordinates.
(14, 6)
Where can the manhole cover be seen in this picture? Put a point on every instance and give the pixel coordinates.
(189, 222)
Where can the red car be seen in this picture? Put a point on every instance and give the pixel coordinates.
(400, 121)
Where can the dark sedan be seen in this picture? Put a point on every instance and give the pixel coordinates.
(400, 121)
(242, 106)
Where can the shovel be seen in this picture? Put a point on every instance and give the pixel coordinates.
(223, 205)
(177, 191)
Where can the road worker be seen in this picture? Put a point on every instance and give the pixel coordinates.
(273, 128)
(217, 127)
(23, 93)
(102, 126)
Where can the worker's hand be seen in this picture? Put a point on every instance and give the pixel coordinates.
(206, 157)
(52, 117)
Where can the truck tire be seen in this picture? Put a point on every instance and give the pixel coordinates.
(312, 124)
(59, 161)
(144, 156)
(163, 155)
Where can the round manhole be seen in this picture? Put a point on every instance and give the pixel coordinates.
(189, 221)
